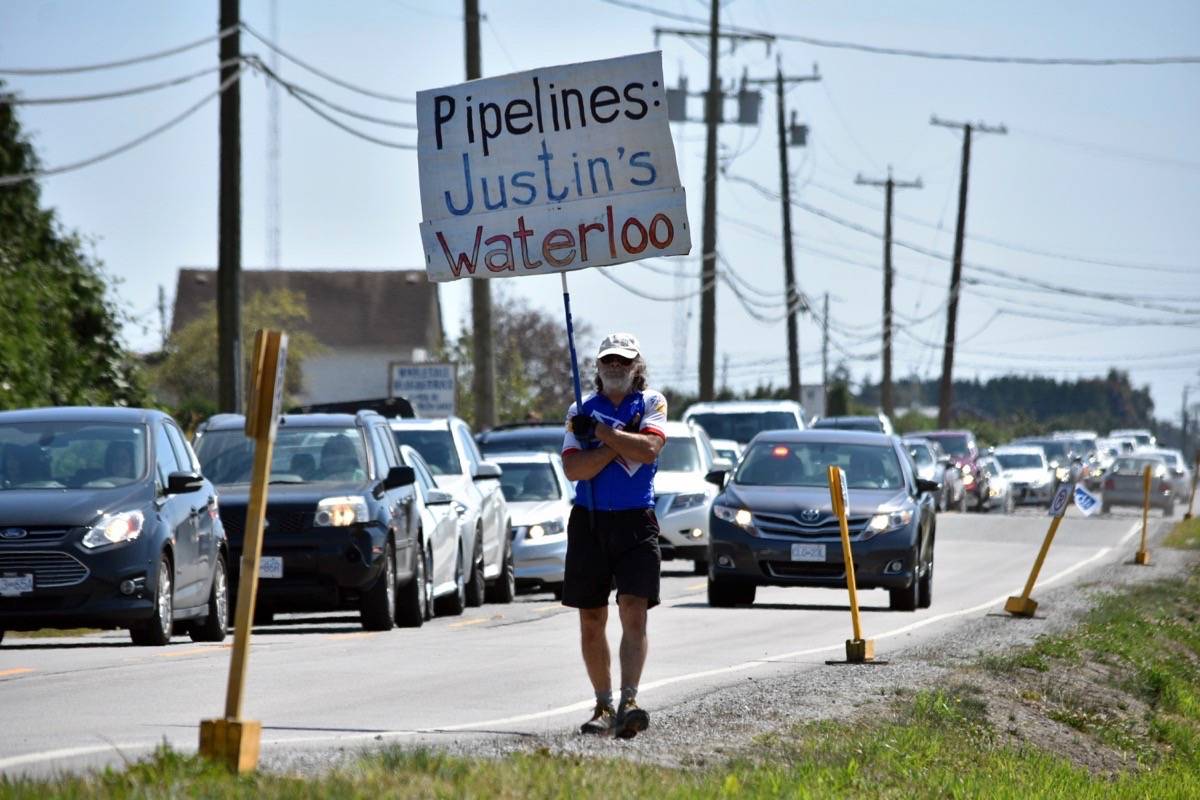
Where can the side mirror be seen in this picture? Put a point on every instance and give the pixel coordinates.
(717, 477)
(399, 476)
(184, 482)
(488, 471)
(437, 497)
(926, 486)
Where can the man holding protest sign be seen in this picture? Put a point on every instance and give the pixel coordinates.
(611, 448)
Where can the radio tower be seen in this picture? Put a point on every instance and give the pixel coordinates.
(273, 179)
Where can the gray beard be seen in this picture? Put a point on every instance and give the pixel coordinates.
(617, 380)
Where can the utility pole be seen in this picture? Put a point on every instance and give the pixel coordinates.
(889, 185)
(785, 193)
(229, 219)
(1183, 431)
(162, 321)
(825, 353)
(483, 378)
(946, 393)
(713, 100)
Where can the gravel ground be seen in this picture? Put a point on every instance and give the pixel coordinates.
(723, 722)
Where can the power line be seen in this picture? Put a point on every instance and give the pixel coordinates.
(647, 295)
(295, 87)
(121, 63)
(391, 98)
(8, 180)
(1165, 161)
(15, 99)
(927, 54)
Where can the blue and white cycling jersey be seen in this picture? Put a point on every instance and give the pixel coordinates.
(622, 485)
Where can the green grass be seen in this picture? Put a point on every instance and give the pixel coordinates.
(934, 744)
(1185, 535)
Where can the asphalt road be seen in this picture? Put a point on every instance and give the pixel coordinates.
(320, 681)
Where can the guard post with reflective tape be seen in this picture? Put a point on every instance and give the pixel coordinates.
(1195, 477)
(1142, 556)
(858, 649)
(231, 740)
(1024, 606)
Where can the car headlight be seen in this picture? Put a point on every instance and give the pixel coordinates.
(1062, 473)
(886, 522)
(551, 528)
(114, 529)
(337, 512)
(682, 502)
(738, 516)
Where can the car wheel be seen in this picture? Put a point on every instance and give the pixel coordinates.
(216, 624)
(1009, 503)
(727, 593)
(555, 588)
(926, 586)
(1169, 509)
(156, 631)
(378, 608)
(1105, 508)
(908, 598)
(413, 600)
(454, 603)
(700, 566)
(504, 588)
(477, 585)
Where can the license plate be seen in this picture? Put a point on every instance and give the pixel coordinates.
(270, 567)
(808, 552)
(13, 585)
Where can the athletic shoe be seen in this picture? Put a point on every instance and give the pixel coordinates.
(602, 721)
(631, 720)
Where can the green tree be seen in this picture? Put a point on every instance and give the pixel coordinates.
(533, 362)
(186, 380)
(59, 327)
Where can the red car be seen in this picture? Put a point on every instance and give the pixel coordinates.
(961, 447)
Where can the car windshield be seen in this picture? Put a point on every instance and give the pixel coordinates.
(1135, 465)
(523, 481)
(541, 441)
(956, 444)
(921, 455)
(992, 468)
(301, 455)
(71, 455)
(679, 454)
(1020, 461)
(435, 446)
(1054, 450)
(805, 464)
(850, 424)
(743, 426)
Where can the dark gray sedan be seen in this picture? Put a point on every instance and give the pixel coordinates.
(773, 523)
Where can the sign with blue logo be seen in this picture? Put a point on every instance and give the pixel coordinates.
(1086, 502)
(1061, 498)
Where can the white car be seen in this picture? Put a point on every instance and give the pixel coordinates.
(453, 457)
(727, 449)
(1177, 470)
(1029, 476)
(1140, 436)
(540, 499)
(682, 497)
(442, 567)
(741, 420)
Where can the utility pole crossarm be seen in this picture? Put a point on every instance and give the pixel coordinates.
(977, 127)
(704, 34)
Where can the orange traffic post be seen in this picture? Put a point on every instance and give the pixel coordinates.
(1192, 497)
(1142, 556)
(1024, 605)
(858, 649)
(231, 740)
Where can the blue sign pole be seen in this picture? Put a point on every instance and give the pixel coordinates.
(587, 485)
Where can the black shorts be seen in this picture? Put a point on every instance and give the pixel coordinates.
(620, 550)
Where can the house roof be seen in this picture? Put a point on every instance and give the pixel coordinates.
(346, 307)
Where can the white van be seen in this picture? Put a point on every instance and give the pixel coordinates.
(740, 420)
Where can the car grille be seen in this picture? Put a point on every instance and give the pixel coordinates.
(801, 569)
(282, 522)
(35, 535)
(49, 569)
(825, 524)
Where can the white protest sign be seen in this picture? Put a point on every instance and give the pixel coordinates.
(554, 169)
(1058, 506)
(429, 387)
(1087, 502)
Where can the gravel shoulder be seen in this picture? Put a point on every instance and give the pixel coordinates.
(723, 723)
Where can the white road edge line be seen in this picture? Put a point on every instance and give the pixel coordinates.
(70, 752)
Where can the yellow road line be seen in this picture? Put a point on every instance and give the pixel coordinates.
(695, 586)
(550, 607)
(192, 651)
(356, 635)
(467, 622)
(4, 673)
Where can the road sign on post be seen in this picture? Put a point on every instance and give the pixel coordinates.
(1024, 605)
(430, 387)
(232, 740)
(858, 649)
(1142, 556)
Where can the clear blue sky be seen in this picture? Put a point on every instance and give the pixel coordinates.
(1060, 181)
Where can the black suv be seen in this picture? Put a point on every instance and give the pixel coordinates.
(341, 522)
(521, 437)
(106, 521)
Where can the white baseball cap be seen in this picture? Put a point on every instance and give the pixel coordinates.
(620, 344)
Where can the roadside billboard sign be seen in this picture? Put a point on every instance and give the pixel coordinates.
(550, 170)
(429, 387)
